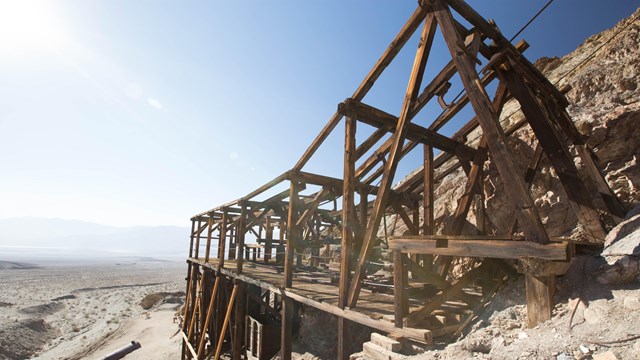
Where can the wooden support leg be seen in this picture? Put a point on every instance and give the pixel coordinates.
(225, 324)
(400, 287)
(539, 298)
(344, 338)
(286, 330)
(209, 313)
(238, 329)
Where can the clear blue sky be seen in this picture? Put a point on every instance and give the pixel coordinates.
(145, 112)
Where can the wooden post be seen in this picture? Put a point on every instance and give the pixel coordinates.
(348, 225)
(428, 223)
(197, 246)
(225, 324)
(238, 328)
(539, 294)
(222, 239)
(292, 232)
(209, 313)
(399, 288)
(395, 150)
(268, 239)
(286, 328)
(240, 234)
(192, 237)
(209, 231)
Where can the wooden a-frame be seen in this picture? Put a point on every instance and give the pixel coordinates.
(306, 222)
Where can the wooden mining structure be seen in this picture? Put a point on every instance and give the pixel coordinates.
(270, 251)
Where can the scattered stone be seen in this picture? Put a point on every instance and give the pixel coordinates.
(563, 356)
(632, 302)
(636, 347)
(522, 335)
(609, 355)
(585, 350)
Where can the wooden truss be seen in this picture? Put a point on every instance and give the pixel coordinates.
(307, 218)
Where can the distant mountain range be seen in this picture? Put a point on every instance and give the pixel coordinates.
(50, 236)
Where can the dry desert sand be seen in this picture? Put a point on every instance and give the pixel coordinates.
(86, 309)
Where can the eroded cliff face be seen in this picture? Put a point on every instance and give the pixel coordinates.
(605, 106)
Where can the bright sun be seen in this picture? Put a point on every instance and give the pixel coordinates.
(27, 25)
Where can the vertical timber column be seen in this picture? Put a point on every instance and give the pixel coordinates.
(286, 329)
(240, 233)
(348, 225)
(191, 238)
(293, 233)
(222, 241)
(525, 209)
(395, 153)
(196, 251)
(209, 231)
(399, 288)
(428, 223)
(268, 239)
(238, 326)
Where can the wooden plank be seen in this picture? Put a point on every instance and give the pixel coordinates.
(311, 209)
(225, 324)
(499, 249)
(426, 40)
(399, 210)
(525, 209)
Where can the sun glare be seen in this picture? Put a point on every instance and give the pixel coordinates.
(27, 25)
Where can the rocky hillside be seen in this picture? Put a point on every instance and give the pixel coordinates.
(604, 104)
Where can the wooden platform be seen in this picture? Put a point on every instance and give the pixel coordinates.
(315, 289)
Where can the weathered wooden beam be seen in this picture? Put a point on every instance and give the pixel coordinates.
(525, 209)
(436, 301)
(577, 193)
(348, 209)
(400, 283)
(381, 119)
(209, 313)
(369, 142)
(225, 324)
(222, 239)
(240, 235)
(479, 247)
(311, 209)
(293, 233)
(391, 165)
(286, 328)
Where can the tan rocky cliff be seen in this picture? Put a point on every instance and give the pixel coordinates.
(604, 104)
